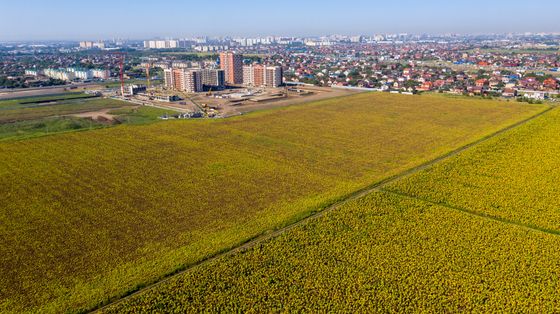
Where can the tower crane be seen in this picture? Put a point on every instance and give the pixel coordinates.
(148, 78)
(121, 56)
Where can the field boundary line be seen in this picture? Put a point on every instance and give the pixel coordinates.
(475, 213)
(262, 237)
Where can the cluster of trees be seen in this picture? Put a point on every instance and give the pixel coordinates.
(6, 82)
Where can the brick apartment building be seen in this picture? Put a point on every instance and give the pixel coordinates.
(185, 80)
(262, 76)
(232, 64)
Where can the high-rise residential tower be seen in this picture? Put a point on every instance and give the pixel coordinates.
(232, 64)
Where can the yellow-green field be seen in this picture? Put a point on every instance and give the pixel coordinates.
(477, 232)
(93, 215)
(513, 178)
(380, 254)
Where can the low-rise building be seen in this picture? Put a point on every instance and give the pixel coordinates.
(135, 89)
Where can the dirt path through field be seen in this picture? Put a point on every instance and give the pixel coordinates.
(95, 115)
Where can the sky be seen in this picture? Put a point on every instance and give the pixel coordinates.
(143, 19)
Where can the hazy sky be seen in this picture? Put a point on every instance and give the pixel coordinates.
(137, 19)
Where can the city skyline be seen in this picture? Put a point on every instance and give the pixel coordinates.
(70, 20)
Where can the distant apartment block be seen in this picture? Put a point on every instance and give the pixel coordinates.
(164, 44)
(184, 64)
(70, 74)
(101, 74)
(232, 64)
(91, 45)
(210, 48)
(262, 76)
(81, 74)
(33, 72)
(59, 74)
(186, 80)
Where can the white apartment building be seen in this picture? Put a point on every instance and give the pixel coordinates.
(59, 74)
(161, 44)
(101, 74)
(33, 72)
(83, 74)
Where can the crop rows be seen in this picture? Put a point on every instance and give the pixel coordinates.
(381, 253)
(89, 216)
(512, 177)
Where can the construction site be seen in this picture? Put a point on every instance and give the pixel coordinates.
(225, 103)
(220, 101)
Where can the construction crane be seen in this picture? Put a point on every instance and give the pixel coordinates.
(148, 66)
(121, 56)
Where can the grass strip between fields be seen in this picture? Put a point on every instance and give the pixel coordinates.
(474, 213)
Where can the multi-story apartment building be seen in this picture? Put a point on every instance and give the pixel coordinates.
(214, 78)
(91, 45)
(232, 64)
(101, 74)
(262, 76)
(60, 74)
(272, 76)
(82, 74)
(162, 44)
(33, 72)
(186, 80)
(86, 44)
(248, 75)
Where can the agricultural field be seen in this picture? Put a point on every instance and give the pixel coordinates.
(475, 233)
(94, 215)
(381, 253)
(513, 177)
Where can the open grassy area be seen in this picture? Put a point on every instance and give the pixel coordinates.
(30, 102)
(38, 116)
(141, 115)
(39, 107)
(92, 215)
(45, 126)
(60, 124)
